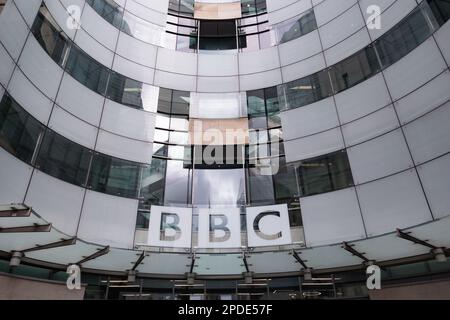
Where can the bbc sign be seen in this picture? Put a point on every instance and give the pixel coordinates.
(219, 227)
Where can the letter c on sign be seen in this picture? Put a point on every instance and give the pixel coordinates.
(261, 234)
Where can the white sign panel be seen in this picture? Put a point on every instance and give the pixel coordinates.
(219, 228)
(170, 227)
(268, 226)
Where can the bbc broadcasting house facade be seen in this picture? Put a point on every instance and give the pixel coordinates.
(342, 162)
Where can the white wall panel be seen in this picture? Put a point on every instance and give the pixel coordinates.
(218, 84)
(315, 145)
(329, 10)
(176, 61)
(341, 27)
(260, 80)
(6, 66)
(14, 30)
(424, 99)
(332, 218)
(73, 128)
(379, 157)
(286, 9)
(37, 65)
(442, 36)
(137, 51)
(347, 47)
(435, 177)
(300, 48)
(28, 9)
(415, 69)
(108, 220)
(393, 202)
(428, 136)
(310, 119)
(370, 126)
(29, 97)
(129, 122)
(124, 148)
(56, 201)
(362, 99)
(133, 70)
(175, 81)
(303, 68)
(213, 65)
(258, 61)
(99, 28)
(14, 178)
(79, 100)
(93, 48)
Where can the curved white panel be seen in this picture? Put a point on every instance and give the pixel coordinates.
(435, 177)
(14, 30)
(129, 122)
(310, 119)
(332, 218)
(379, 157)
(313, 146)
(29, 97)
(79, 100)
(40, 68)
(428, 137)
(14, 178)
(108, 220)
(124, 148)
(393, 202)
(56, 201)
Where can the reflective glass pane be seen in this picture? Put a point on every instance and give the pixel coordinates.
(63, 159)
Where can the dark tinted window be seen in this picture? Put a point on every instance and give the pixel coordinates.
(63, 159)
(114, 176)
(324, 174)
(87, 71)
(125, 90)
(19, 131)
(50, 36)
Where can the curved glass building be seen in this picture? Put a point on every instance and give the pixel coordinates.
(172, 149)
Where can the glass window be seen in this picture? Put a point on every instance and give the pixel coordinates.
(296, 27)
(50, 36)
(63, 159)
(152, 183)
(177, 190)
(109, 10)
(403, 38)
(19, 131)
(261, 188)
(305, 91)
(230, 191)
(218, 35)
(114, 176)
(441, 10)
(87, 71)
(125, 90)
(325, 174)
(354, 69)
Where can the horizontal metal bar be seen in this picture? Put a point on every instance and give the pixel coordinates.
(24, 229)
(62, 243)
(95, 255)
(408, 237)
(11, 213)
